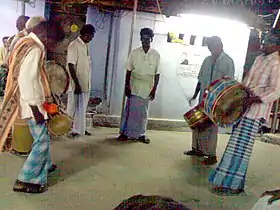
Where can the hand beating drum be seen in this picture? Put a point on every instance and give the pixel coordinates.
(224, 101)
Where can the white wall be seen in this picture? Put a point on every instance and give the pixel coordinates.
(10, 10)
(171, 100)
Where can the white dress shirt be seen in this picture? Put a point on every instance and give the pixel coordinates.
(78, 55)
(29, 81)
(143, 67)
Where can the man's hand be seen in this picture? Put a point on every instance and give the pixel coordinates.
(39, 118)
(127, 91)
(190, 101)
(275, 195)
(78, 89)
(152, 94)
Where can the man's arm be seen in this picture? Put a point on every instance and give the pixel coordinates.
(231, 68)
(157, 76)
(129, 69)
(72, 59)
(199, 78)
(272, 92)
(72, 70)
(28, 74)
(197, 90)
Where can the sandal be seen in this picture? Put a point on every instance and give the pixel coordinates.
(144, 140)
(20, 186)
(21, 154)
(122, 137)
(194, 153)
(72, 135)
(52, 168)
(227, 191)
(211, 160)
(87, 133)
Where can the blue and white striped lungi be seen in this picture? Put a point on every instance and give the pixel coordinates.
(35, 168)
(231, 172)
(135, 117)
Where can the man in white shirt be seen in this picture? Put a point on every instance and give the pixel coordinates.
(79, 65)
(142, 78)
(27, 90)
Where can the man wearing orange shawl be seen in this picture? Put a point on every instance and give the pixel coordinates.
(27, 90)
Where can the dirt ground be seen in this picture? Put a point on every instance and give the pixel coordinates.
(97, 173)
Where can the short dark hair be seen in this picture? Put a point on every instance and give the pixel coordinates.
(87, 29)
(5, 37)
(53, 29)
(147, 31)
(23, 17)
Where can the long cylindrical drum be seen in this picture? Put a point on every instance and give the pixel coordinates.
(224, 101)
(22, 139)
(196, 118)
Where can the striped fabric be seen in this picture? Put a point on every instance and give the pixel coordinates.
(231, 172)
(35, 169)
(264, 80)
(135, 117)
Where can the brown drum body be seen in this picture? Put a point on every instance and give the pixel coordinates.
(59, 125)
(224, 101)
(196, 118)
(22, 139)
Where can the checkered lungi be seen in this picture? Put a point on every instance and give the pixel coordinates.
(35, 169)
(231, 172)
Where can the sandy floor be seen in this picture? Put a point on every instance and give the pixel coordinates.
(97, 173)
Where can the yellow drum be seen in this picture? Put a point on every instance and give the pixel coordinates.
(22, 139)
(59, 125)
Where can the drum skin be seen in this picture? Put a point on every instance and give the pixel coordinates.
(22, 139)
(224, 101)
(58, 78)
(59, 125)
(196, 118)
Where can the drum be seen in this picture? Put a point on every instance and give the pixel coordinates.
(58, 78)
(22, 139)
(59, 125)
(224, 101)
(196, 118)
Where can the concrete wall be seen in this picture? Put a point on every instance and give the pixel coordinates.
(10, 10)
(171, 100)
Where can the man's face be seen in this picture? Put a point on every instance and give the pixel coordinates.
(214, 48)
(87, 38)
(269, 46)
(5, 42)
(146, 40)
(21, 24)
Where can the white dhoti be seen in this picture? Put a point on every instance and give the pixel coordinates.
(76, 108)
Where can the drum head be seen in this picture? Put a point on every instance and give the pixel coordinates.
(58, 77)
(60, 125)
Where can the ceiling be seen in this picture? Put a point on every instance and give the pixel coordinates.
(256, 13)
